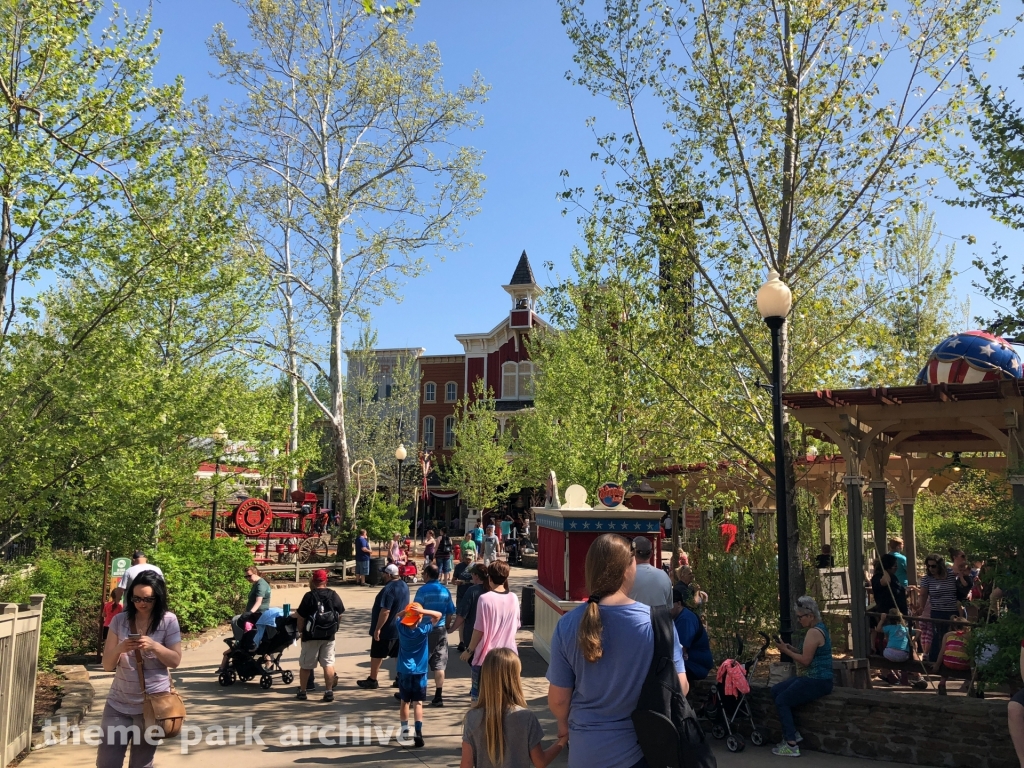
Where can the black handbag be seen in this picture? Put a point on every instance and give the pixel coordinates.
(666, 725)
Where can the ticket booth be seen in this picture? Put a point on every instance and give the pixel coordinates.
(564, 535)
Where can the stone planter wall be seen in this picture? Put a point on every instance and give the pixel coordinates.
(917, 728)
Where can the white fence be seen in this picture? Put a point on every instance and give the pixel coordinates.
(20, 627)
(296, 567)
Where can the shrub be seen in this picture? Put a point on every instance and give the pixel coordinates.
(71, 582)
(205, 579)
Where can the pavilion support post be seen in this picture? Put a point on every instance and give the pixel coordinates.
(825, 525)
(878, 514)
(855, 535)
(910, 540)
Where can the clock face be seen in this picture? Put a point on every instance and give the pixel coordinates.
(611, 494)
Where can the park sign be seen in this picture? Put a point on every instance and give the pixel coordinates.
(118, 567)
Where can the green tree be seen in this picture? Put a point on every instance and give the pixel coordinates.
(481, 467)
(919, 309)
(803, 131)
(368, 186)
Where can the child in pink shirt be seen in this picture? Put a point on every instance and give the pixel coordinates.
(497, 621)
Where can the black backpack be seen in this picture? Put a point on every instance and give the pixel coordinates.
(444, 548)
(666, 725)
(323, 624)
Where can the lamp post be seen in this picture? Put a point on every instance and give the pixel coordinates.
(400, 454)
(220, 437)
(774, 300)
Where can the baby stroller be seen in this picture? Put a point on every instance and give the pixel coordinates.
(248, 660)
(723, 711)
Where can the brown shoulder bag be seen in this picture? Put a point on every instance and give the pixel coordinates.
(166, 710)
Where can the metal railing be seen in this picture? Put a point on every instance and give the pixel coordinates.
(20, 627)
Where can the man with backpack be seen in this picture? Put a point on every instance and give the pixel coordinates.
(318, 614)
(443, 555)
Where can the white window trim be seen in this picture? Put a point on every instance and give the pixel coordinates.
(449, 420)
(509, 369)
(446, 386)
(431, 431)
(525, 367)
(425, 398)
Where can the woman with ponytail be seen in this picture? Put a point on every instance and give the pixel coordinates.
(600, 655)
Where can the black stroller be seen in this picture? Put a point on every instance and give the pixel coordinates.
(248, 660)
(723, 711)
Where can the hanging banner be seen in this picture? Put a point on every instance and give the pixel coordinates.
(444, 494)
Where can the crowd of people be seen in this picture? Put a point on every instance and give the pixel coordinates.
(599, 652)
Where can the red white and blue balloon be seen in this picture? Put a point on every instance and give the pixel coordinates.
(970, 357)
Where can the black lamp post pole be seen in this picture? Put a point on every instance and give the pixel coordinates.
(781, 508)
(213, 512)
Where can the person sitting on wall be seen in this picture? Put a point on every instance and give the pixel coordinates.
(816, 655)
(693, 637)
(825, 559)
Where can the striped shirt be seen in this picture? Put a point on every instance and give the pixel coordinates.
(941, 593)
(125, 695)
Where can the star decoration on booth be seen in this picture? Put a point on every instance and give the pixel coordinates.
(572, 524)
(586, 526)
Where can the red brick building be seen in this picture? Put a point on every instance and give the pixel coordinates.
(498, 356)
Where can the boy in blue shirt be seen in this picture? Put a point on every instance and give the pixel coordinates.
(896, 549)
(416, 624)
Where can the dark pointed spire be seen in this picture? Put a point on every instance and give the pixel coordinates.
(523, 274)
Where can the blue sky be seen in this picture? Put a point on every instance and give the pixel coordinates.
(534, 126)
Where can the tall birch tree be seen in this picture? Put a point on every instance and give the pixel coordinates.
(350, 142)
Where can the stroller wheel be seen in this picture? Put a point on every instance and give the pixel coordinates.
(757, 737)
(287, 677)
(735, 743)
(246, 678)
(718, 731)
(226, 678)
(266, 681)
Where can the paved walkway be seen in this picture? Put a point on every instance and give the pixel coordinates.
(280, 715)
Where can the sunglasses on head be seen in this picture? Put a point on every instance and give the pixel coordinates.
(146, 600)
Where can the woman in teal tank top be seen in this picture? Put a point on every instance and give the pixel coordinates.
(816, 655)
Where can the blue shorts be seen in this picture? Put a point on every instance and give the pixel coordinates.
(412, 687)
(445, 566)
(362, 567)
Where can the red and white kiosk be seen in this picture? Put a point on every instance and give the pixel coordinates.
(564, 535)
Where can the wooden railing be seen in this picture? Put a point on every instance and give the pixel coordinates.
(20, 627)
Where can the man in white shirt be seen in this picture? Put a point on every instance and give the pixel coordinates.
(652, 586)
(139, 564)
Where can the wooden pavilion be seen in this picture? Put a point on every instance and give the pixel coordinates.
(899, 433)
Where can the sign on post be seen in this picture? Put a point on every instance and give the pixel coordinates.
(118, 566)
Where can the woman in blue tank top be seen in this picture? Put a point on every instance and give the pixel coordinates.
(816, 655)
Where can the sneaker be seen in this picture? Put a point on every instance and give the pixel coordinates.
(919, 685)
(437, 702)
(798, 738)
(368, 683)
(462, 647)
(786, 750)
(395, 684)
(418, 740)
(398, 696)
(328, 696)
(311, 685)
(301, 695)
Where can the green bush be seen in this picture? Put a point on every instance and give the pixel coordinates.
(71, 582)
(205, 579)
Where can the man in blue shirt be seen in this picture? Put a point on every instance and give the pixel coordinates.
(478, 538)
(416, 625)
(896, 550)
(362, 557)
(434, 596)
(388, 606)
(693, 638)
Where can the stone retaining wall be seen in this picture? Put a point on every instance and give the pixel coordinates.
(916, 728)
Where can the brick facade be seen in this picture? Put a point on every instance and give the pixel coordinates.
(440, 370)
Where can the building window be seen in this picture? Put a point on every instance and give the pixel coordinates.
(429, 392)
(509, 385)
(451, 392)
(428, 432)
(526, 381)
(449, 431)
